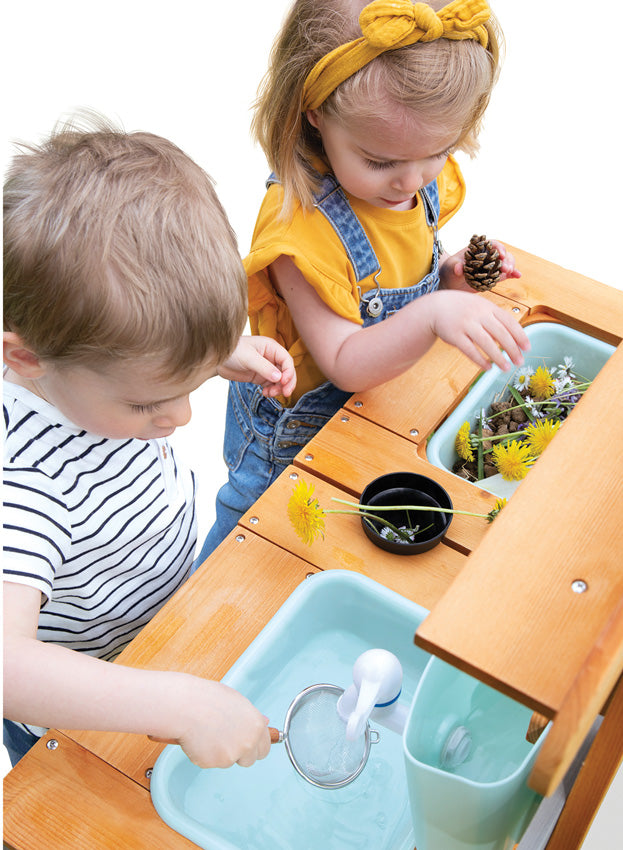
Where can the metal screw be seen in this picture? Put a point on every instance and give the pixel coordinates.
(309, 457)
(358, 404)
(579, 586)
(253, 520)
(293, 476)
(414, 432)
(239, 538)
(52, 744)
(345, 419)
(515, 310)
(309, 575)
(149, 772)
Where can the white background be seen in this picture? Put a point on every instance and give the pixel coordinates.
(547, 178)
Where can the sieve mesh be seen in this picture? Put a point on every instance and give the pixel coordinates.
(316, 739)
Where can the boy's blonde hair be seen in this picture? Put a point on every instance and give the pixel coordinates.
(116, 246)
(447, 83)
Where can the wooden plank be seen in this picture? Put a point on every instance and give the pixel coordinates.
(511, 618)
(67, 797)
(421, 578)
(599, 767)
(202, 630)
(598, 675)
(413, 404)
(578, 301)
(350, 452)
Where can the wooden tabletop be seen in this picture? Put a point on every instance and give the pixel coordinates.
(500, 595)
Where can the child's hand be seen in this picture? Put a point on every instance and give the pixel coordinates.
(255, 359)
(451, 271)
(477, 327)
(222, 727)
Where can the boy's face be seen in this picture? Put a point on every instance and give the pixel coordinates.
(122, 400)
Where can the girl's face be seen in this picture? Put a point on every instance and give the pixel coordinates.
(383, 161)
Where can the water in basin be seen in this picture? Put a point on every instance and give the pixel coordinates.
(315, 637)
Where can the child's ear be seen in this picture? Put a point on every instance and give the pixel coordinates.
(19, 358)
(312, 117)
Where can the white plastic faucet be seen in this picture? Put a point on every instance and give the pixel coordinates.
(377, 683)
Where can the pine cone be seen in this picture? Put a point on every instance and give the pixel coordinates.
(481, 264)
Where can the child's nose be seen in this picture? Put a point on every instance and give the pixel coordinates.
(409, 179)
(177, 413)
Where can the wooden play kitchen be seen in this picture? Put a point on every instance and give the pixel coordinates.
(531, 605)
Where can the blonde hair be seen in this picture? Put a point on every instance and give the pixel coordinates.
(116, 246)
(445, 82)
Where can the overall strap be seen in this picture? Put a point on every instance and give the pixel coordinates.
(430, 196)
(333, 204)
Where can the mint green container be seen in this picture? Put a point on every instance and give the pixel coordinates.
(467, 762)
(550, 343)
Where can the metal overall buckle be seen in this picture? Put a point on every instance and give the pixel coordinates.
(374, 305)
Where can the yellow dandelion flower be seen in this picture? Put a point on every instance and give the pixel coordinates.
(540, 434)
(462, 443)
(305, 513)
(541, 384)
(513, 460)
(495, 510)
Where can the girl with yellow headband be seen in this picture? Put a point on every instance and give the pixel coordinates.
(358, 115)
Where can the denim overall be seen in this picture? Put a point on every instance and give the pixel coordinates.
(261, 436)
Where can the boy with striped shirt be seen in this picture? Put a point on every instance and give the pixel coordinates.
(123, 293)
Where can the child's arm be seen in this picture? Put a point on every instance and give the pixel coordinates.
(49, 685)
(357, 358)
(255, 359)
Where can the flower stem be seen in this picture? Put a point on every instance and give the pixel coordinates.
(367, 508)
(481, 465)
(521, 404)
(403, 535)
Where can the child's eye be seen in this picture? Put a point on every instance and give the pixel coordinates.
(379, 164)
(144, 408)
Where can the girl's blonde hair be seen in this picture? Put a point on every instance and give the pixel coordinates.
(116, 246)
(445, 82)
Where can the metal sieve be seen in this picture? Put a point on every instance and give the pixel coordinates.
(315, 739)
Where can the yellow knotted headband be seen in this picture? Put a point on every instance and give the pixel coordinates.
(388, 25)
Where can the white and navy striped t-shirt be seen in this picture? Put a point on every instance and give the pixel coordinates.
(105, 529)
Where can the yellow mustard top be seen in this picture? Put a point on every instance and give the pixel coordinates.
(401, 239)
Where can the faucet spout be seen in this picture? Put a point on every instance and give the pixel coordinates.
(377, 683)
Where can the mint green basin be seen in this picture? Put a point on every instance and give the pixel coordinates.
(483, 801)
(550, 342)
(316, 636)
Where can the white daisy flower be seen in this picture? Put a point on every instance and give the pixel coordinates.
(522, 376)
(566, 368)
(562, 383)
(529, 402)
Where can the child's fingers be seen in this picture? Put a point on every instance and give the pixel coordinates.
(507, 267)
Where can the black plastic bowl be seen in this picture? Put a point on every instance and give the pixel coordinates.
(406, 488)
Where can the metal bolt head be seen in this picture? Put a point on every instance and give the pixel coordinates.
(414, 432)
(253, 520)
(52, 744)
(293, 476)
(358, 404)
(239, 538)
(579, 586)
(309, 457)
(515, 310)
(149, 772)
(344, 418)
